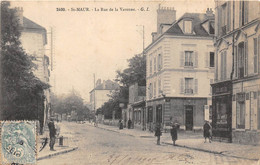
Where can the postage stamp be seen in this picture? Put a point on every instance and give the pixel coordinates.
(18, 142)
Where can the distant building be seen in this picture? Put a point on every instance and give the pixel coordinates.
(180, 68)
(100, 94)
(136, 108)
(236, 90)
(33, 39)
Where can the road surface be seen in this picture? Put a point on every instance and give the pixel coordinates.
(98, 146)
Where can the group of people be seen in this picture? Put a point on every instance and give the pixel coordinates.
(207, 132)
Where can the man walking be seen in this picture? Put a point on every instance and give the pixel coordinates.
(158, 133)
(52, 134)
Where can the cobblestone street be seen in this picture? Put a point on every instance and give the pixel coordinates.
(98, 146)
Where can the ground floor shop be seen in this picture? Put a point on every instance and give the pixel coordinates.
(188, 112)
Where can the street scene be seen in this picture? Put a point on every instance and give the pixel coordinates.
(162, 82)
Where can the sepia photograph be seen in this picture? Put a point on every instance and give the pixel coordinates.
(128, 82)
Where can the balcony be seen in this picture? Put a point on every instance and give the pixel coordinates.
(188, 91)
(188, 64)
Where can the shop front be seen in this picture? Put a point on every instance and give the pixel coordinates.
(222, 111)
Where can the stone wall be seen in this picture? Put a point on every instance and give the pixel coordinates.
(246, 137)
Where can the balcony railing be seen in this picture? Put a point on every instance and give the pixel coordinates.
(188, 63)
(188, 91)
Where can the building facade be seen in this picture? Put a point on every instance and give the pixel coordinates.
(236, 100)
(34, 39)
(180, 68)
(100, 94)
(136, 111)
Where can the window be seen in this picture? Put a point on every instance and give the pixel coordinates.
(159, 62)
(255, 55)
(154, 69)
(150, 114)
(240, 115)
(188, 58)
(159, 113)
(154, 94)
(221, 113)
(150, 90)
(188, 85)
(224, 18)
(159, 86)
(151, 67)
(211, 27)
(243, 13)
(211, 59)
(241, 60)
(187, 27)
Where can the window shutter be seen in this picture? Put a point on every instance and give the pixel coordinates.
(246, 11)
(211, 82)
(219, 20)
(255, 55)
(234, 110)
(181, 85)
(247, 113)
(182, 59)
(240, 13)
(196, 59)
(228, 15)
(246, 59)
(207, 59)
(225, 65)
(235, 61)
(196, 86)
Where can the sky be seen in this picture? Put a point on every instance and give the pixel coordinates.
(97, 42)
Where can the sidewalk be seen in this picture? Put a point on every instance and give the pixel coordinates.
(68, 144)
(194, 141)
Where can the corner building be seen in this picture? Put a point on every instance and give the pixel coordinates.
(180, 68)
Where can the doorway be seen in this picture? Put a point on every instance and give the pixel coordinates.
(189, 117)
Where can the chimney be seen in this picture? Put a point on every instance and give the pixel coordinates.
(19, 15)
(165, 15)
(209, 12)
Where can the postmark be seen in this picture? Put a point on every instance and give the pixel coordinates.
(18, 142)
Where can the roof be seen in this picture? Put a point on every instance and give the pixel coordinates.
(197, 20)
(107, 85)
(30, 25)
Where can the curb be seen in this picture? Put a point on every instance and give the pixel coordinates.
(213, 152)
(57, 153)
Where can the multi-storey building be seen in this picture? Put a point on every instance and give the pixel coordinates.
(180, 67)
(100, 94)
(34, 39)
(236, 100)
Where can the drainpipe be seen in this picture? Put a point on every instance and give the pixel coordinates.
(233, 40)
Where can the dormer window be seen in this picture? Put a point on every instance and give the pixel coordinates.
(211, 27)
(187, 27)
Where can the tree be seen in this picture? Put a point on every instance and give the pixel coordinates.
(136, 71)
(22, 92)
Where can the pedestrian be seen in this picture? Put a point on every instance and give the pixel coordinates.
(129, 123)
(158, 132)
(52, 131)
(174, 133)
(207, 131)
(120, 124)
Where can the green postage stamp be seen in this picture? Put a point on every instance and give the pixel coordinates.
(18, 142)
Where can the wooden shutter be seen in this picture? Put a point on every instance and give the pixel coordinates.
(246, 59)
(240, 13)
(181, 58)
(207, 59)
(235, 61)
(247, 112)
(225, 65)
(196, 59)
(196, 86)
(211, 82)
(219, 25)
(246, 11)
(234, 116)
(181, 85)
(255, 55)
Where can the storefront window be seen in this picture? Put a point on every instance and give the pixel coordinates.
(241, 115)
(221, 113)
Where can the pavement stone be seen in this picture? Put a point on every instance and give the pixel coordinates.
(195, 141)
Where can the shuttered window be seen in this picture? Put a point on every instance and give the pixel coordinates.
(255, 55)
(159, 62)
(223, 65)
(151, 67)
(235, 61)
(196, 86)
(154, 63)
(246, 59)
(181, 85)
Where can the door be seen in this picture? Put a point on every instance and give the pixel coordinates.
(189, 117)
